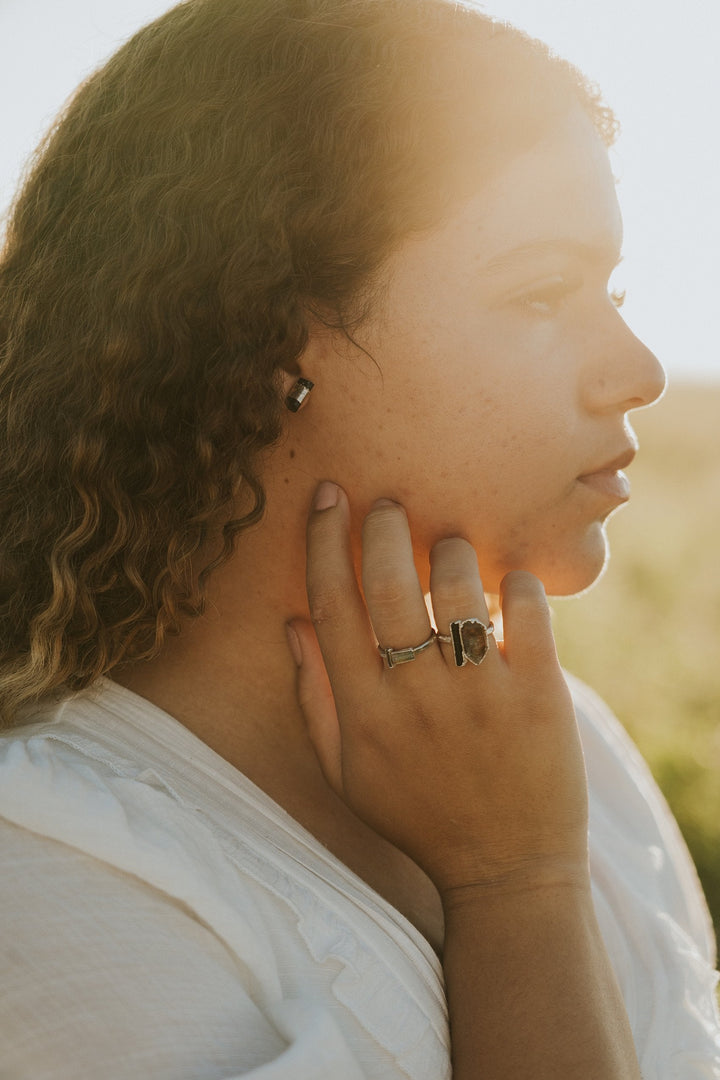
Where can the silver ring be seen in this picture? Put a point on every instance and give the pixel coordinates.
(470, 639)
(393, 657)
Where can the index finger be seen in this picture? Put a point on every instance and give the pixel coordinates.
(337, 608)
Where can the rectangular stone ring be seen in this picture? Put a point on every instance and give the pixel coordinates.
(393, 657)
(470, 639)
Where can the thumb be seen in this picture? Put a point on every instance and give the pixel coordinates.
(316, 700)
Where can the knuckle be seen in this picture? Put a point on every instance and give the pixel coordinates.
(387, 590)
(319, 528)
(454, 572)
(326, 604)
(452, 588)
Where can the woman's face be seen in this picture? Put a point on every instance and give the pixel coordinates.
(494, 406)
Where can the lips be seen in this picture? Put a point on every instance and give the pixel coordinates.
(608, 479)
(621, 461)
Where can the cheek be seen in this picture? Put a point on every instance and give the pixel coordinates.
(443, 422)
(489, 374)
(506, 436)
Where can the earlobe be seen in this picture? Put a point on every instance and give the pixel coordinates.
(298, 394)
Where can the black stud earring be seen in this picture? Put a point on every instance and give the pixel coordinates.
(297, 396)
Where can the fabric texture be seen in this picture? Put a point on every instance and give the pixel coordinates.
(164, 918)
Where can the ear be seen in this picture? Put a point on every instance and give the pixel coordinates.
(288, 380)
(298, 378)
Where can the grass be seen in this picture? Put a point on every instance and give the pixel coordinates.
(647, 636)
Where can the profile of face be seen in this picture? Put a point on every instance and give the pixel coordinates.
(489, 388)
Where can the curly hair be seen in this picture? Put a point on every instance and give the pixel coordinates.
(237, 165)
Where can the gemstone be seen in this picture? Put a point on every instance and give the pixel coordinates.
(400, 656)
(470, 639)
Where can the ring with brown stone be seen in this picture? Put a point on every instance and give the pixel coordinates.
(470, 639)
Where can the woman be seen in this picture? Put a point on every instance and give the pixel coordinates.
(335, 265)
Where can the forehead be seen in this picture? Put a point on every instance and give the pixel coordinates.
(560, 194)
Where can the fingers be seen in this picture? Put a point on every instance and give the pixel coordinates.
(336, 606)
(395, 604)
(528, 636)
(455, 587)
(394, 598)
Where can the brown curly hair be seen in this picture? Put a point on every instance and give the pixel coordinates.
(236, 165)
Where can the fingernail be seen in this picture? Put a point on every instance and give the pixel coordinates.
(326, 496)
(294, 643)
(384, 502)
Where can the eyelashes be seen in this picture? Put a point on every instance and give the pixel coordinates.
(547, 300)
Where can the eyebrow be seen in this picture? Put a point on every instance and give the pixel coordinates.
(598, 254)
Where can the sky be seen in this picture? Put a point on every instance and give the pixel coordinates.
(655, 63)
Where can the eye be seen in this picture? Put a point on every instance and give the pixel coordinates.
(548, 298)
(617, 297)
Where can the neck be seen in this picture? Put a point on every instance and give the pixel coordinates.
(230, 678)
(229, 675)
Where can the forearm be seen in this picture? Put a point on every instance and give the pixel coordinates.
(530, 989)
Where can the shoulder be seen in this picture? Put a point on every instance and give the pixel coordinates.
(105, 976)
(154, 865)
(131, 945)
(83, 785)
(98, 959)
(117, 780)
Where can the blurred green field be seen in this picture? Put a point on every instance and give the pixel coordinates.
(647, 636)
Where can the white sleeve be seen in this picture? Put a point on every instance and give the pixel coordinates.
(649, 903)
(102, 975)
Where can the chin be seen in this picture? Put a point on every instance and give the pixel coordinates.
(578, 571)
(567, 571)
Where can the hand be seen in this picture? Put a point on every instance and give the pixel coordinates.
(476, 773)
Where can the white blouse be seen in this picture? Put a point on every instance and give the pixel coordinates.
(163, 918)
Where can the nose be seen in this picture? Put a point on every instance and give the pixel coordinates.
(625, 374)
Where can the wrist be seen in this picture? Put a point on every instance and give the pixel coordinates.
(525, 881)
